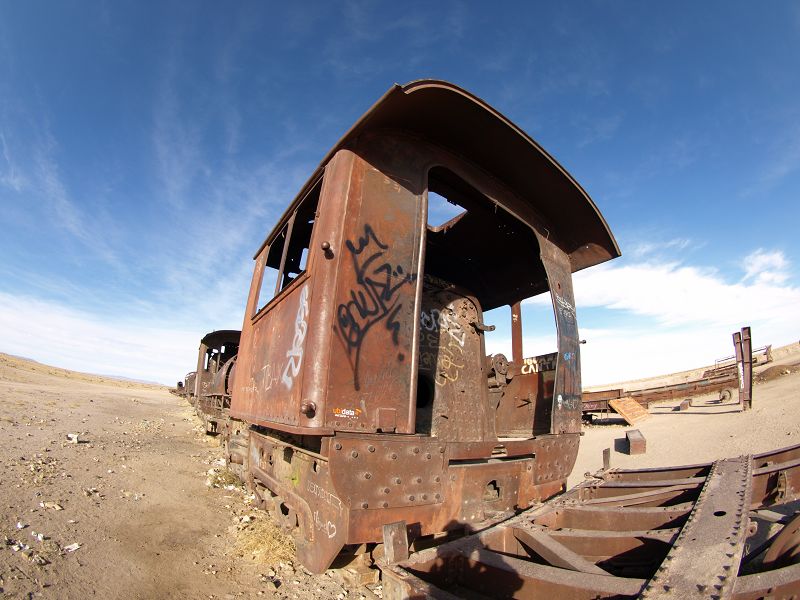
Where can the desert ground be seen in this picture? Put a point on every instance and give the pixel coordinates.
(110, 489)
(707, 430)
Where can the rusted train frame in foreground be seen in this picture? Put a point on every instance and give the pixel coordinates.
(727, 529)
(363, 394)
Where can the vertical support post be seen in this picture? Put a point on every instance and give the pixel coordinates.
(747, 369)
(516, 334)
(743, 347)
(737, 351)
(606, 459)
(566, 413)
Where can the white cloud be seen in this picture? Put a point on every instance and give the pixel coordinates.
(671, 317)
(615, 355)
(766, 267)
(54, 334)
(674, 294)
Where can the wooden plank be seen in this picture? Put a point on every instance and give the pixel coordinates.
(629, 409)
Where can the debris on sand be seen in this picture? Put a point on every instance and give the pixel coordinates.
(52, 505)
(262, 541)
(222, 478)
(71, 547)
(774, 372)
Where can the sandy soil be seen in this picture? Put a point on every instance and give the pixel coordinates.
(145, 496)
(133, 494)
(707, 430)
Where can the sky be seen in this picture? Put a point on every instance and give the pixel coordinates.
(147, 148)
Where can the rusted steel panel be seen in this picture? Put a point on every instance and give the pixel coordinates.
(367, 474)
(420, 480)
(371, 365)
(450, 348)
(269, 383)
(525, 406)
(303, 492)
(566, 416)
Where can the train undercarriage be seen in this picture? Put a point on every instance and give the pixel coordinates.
(727, 529)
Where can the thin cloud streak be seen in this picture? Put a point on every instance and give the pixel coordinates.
(40, 179)
(11, 178)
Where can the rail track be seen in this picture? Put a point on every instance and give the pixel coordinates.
(727, 529)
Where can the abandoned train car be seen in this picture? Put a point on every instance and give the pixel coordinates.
(211, 387)
(363, 394)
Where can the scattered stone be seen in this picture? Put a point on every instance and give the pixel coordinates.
(53, 505)
(71, 547)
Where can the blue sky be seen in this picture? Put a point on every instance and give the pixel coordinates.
(147, 148)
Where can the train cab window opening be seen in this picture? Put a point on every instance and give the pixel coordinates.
(464, 250)
(441, 210)
(466, 228)
(286, 257)
(211, 355)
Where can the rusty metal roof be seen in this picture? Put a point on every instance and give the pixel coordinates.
(446, 115)
(221, 336)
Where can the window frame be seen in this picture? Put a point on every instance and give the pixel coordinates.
(282, 289)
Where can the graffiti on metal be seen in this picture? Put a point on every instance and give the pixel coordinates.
(539, 364)
(295, 353)
(373, 299)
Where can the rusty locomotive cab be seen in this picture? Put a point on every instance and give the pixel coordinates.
(363, 394)
(210, 385)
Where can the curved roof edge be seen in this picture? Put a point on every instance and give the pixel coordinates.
(221, 335)
(465, 125)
